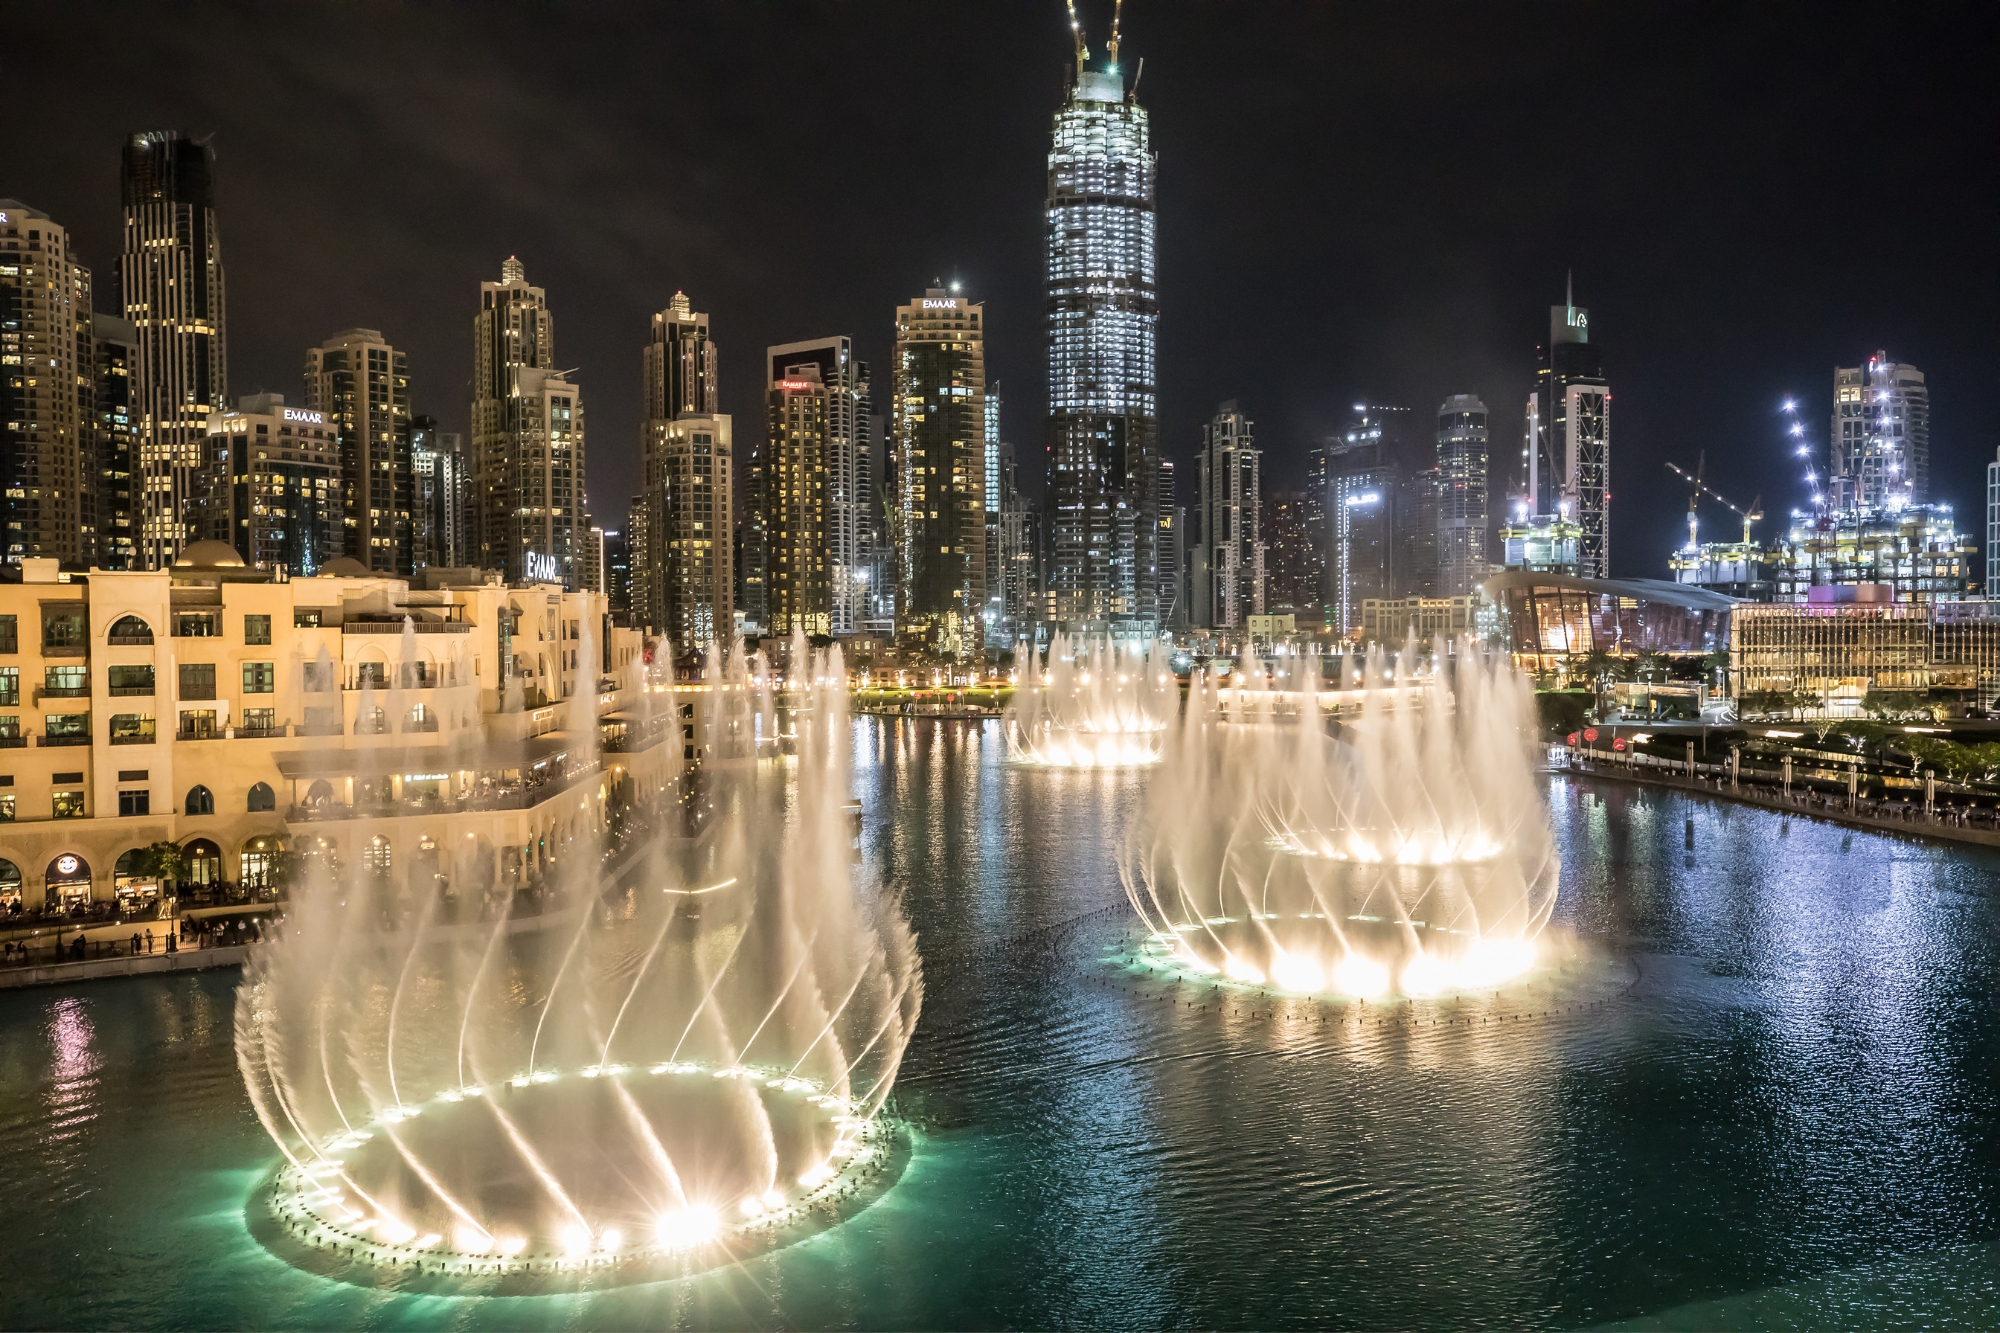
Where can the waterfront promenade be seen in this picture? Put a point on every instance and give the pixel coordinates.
(1909, 819)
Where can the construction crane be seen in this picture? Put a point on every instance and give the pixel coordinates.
(1749, 516)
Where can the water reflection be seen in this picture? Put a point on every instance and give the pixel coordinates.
(1800, 1095)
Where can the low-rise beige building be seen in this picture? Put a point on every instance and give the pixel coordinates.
(453, 727)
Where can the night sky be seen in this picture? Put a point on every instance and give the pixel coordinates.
(1355, 203)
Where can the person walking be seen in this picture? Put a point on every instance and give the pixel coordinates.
(135, 944)
(149, 939)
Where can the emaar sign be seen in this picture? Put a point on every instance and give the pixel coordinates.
(310, 418)
(543, 568)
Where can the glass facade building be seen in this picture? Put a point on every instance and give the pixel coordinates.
(1554, 618)
(1103, 314)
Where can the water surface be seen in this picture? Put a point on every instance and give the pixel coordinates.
(1790, 1118)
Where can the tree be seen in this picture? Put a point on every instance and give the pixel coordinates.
(1804, 698)
(1758, 702)
(161, 861)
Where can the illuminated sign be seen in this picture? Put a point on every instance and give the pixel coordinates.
(940, 303)
(310, 418)
(1579, 319)
(65, 865)
(797, 384)
(1368, 499)
(543, 568)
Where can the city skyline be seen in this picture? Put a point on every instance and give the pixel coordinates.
(1758, 328)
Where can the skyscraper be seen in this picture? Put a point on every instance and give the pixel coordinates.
(680, 528)
(689, 517)
(1103, 311)
(845, 460)
(274, 483)
(681, 364)
(527, 438)
(995, 609)
(1291, 576)
(1229, 569)
(1364, 496)
(1881, 436)
(1569, 436)
(438, 486)
(170, 280)
(47, 397)
(115, 349)
(1173, 554)
(1021, 591)
(939, 416)
(792, 485)
(362, 384)
(1461, 495)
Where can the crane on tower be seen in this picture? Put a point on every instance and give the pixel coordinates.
(1698, 488)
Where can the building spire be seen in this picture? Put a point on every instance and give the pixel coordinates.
(1569, 288)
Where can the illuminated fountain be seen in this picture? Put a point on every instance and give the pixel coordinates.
(648, 1080)
(1095, 705)
(1402, 849)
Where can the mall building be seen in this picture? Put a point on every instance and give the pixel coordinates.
(446, 726)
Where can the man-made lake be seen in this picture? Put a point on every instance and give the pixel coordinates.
(1790, 1116)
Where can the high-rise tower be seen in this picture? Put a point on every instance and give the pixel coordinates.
(1229, 568)
(680, 526)
(940, 420)
(170, 280)
(362, 384)
(115, 348)
(1569, 436)
(1461, 495)
(47, 398)
(1881, 436)
(527, 439)
(844, 461)
(1103, 312)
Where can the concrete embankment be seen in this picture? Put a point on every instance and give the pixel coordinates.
(126, 965)
(1917, 826)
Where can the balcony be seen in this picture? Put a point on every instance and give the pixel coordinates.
(80, 738)
(135, 738)
(261, 733)
(61, 692)
(130, 640)
(131, 691)
(396, 627)
(13, 742)
(197, 693)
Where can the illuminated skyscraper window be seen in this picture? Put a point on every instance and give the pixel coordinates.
(1103, 311)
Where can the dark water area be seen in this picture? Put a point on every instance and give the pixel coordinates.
(1789, 1117)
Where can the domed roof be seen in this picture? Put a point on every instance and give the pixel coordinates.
(346, 567)
(208, 555)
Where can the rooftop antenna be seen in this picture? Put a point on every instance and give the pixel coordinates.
(1076, 32)
(1117, 8)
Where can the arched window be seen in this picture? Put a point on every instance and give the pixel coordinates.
(200, 801)
(376, 855)
(259, 862)
(421, 718)
(320, 793)
(263, 798)
(370, 722)
(130, 630)
(201, 864)
(10, 888)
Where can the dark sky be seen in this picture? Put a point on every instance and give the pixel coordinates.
(1355, 202)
